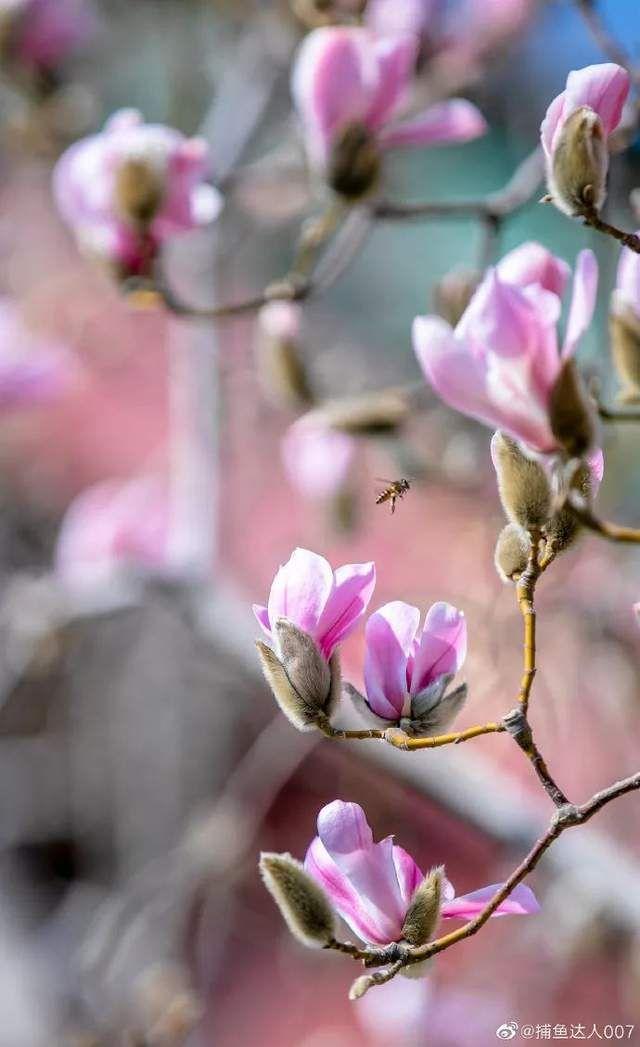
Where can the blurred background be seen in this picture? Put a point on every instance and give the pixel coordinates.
(143, 765)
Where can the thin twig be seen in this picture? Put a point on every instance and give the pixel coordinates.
(611, 414)
(399, 740)
(612, 531)
(517, 724)
(630, 240)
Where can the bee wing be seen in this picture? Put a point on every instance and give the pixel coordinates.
(381, 480)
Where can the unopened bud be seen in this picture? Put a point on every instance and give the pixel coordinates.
(571, 412)
(139, 190)
(304, 684)
(523, 484)
(424, 911)
(454, 292)
(302, 902)
(512, 552)
(624, 327)
(578, 169)
(280, 365)
(354, 165)
(372, 414)
(563, 528)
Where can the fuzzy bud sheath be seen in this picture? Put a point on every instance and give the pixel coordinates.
(423, 914)
(301, 901)
(512, 552)
(522, 483)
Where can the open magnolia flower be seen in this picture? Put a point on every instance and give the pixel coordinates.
(350, 86)
(407, 671)
(502, 363)
(574, 136)
(129, 188)
(624, 324)
(373, 885)
(317, 459)
(39, 35)
(311, 610)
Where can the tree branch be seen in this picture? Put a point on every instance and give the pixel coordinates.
(612, 531)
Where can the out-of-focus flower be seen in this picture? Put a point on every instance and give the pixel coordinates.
(501, 364)
(624, 325)
(110, 530)
(325, 604)
(407, 672)
(574, 136)
(350, 87)
(317, 459)
(33, 368)
(129, 188)
(390, 18)
(39, 35)
(532, 264)
(278, 349)
(372, 885)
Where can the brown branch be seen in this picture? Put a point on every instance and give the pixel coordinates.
(518, 727)
(518, 191)
(566, 817)
(400, 740)
(630, 240)
(610, 414)
(612, 531)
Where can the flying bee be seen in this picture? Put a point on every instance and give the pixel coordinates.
(395, 490)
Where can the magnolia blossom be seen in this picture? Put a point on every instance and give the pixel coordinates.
(574, 133)
(325, 604)
(407, 671)
(317, 459)
(33, 368)
(109, 529)
(372, 884)
(132, 186)
(626, 295)
(40, 34)
(501, 362)
(349, 79)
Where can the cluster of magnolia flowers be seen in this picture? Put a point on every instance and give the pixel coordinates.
(407, 670)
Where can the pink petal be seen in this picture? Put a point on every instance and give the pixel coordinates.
(550, 127)
(301, 589)
(353, 588)
(442, 647)
(389, 17)
(531, 263)
(396, 58)
(628, 280)
(369, 866)
(262, 616)
(521, 902)
(353, 909)
(500, 317)
(317, 459)
(409, 875)
(334, 76)
(604, 88)
(454, 121)
(389, 639)
(583, 300)
(595, 461)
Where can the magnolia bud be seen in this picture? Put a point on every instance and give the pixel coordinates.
(578, 170)
(512, 552)
(304, 684)
(139, 190)
(454, 292)
(423, 913)
(571, 412)
(302, 902)
(372, 414)
(522, 482)
(354, 165)
(280, 365)
(563, 528)
(624, 327)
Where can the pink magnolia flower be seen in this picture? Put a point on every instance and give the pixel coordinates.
(42, 33)
(389, 18)
(372, 884)
(113, 527)
(532, 264)
(33, 368)
(101, 180)
(574, 133)
(501, 362)
(406, 672)
(317, 459)
(349, 76)
(324, 603)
